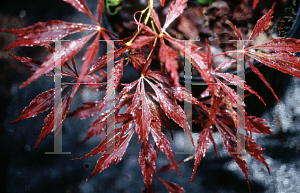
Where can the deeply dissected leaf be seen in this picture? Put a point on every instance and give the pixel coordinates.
(158, 118)
(68, 51)
(142, 40)
(169, 106)
(232, 96)
(40, 104)
(61, 115)
(163, 144)
(202, 147)
(168, 56)
(175, 9)
(43, 33)
(258, 73)
(171, 95)
(258, 125)
(237, 32)
(236, 80)
(280, 45)
(281, 61)
(88, 58)
(103, 146)
(229, 142)
(160, 77)
(171, 186)
(108, 158)
(32, 64)
(254, 151)
(147, 160)
(102, 61)
(141, 112)
(261, 25)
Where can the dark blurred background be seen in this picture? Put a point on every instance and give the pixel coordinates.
(25, 170)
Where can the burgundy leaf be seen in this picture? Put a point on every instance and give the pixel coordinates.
(102, 61)
(169, 94)
(168, 168)
(211, 133)
(261, 25)
(127, 89)
(96, 128)
(100, 9)
(243, 165)
(140, 41)
(254, 151)
(147, 162)
(202, 146)
(232, 96)
(49, 48)
(89, 109)
(107, 159)
(258, 125)
(237, 32)
(32, 64)
(99, 149)
(161, 77)
(99, 125)
(51, 119)
(163, 144)
(225, 64)
(138, 61)
(40, 104)
(43, 33)
(181, 45)
(158, 118)
(68, 51)
(141, 112)
(280, 45)
(81, 6)
(114, 77)
(126, 100)
(168, 56)
(169, 106)
(176, 8)
(89, 56)
(181, 94)
(102, 147)
(257, 72)
(156, 19)
(229, 142)
(148, 30)
(171, 186)
(237, 81)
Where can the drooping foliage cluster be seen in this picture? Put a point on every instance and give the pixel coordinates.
(153, 98)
